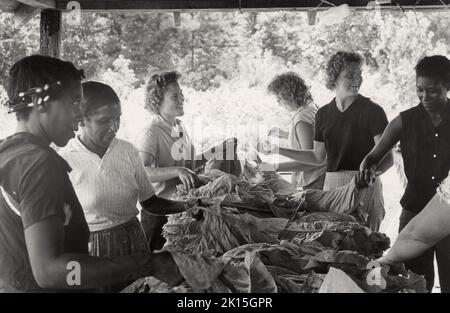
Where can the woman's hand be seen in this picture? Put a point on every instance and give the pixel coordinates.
(267, 148)
(278, 132)
(384, 261)
(188, 177)
(192, 202)
(394, 267)
(367, 172)
(267, 167)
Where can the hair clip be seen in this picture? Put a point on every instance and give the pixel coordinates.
(25, 98)
(18, 107)
(159, 80)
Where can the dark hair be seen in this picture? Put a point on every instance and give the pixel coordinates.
(292, 87)
(156, 86)
(96, 95)
(337, 64)
(436, 66)
(38, 78)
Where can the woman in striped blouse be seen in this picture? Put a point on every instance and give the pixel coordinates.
(109, 177)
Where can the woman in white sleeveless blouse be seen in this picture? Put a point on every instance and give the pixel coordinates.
(293, 94)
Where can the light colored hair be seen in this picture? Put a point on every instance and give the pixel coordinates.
(156, 86)
(290, 86)
(337, 64)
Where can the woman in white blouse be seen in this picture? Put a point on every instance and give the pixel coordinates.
(425, 230)
(292, 93)
(110, 179)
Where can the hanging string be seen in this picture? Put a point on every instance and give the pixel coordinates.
(445, 5)
(399, 5)
(326, 2)
(312, 13)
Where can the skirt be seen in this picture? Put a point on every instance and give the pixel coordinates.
(122, 240)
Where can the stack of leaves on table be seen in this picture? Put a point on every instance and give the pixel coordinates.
(262, 235)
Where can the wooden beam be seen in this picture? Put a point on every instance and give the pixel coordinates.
(40, 4)
(50, 40)
(23, 14)
(233, 5)
(8, 5)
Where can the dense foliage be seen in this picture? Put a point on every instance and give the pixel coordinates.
(227, 59)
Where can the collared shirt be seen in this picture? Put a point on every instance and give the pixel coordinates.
(305, 114)
(108, 187)
(170, 146)
(349, 135)
(34, 186)
(426, 156)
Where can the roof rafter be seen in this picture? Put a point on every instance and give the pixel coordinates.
(40, 4)
(23, 13)
(196, 5)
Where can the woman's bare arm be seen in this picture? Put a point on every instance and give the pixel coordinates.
(380, 157)
(316, 156)
(423, 232)
(160, 174)
(51, 266)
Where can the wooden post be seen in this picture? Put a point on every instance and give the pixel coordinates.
(50, 41)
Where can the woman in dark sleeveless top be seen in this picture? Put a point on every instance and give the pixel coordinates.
(424, 135)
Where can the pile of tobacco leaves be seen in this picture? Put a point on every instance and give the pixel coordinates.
(261, 235)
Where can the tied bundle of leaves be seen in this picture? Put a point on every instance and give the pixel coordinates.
(209, 274)
(269, 180)
(286, 263)
(221, 186)
(224, 229)
(338, 235)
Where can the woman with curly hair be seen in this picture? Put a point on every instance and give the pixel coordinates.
(292, 93)
(166, 148)
(346, 130)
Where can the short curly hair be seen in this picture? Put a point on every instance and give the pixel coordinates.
(435, 66)
(156, 86)
(337, 63)
(291, 87)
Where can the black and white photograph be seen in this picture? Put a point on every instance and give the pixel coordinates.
(224, 151)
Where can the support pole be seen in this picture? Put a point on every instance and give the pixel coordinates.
(50, 40)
